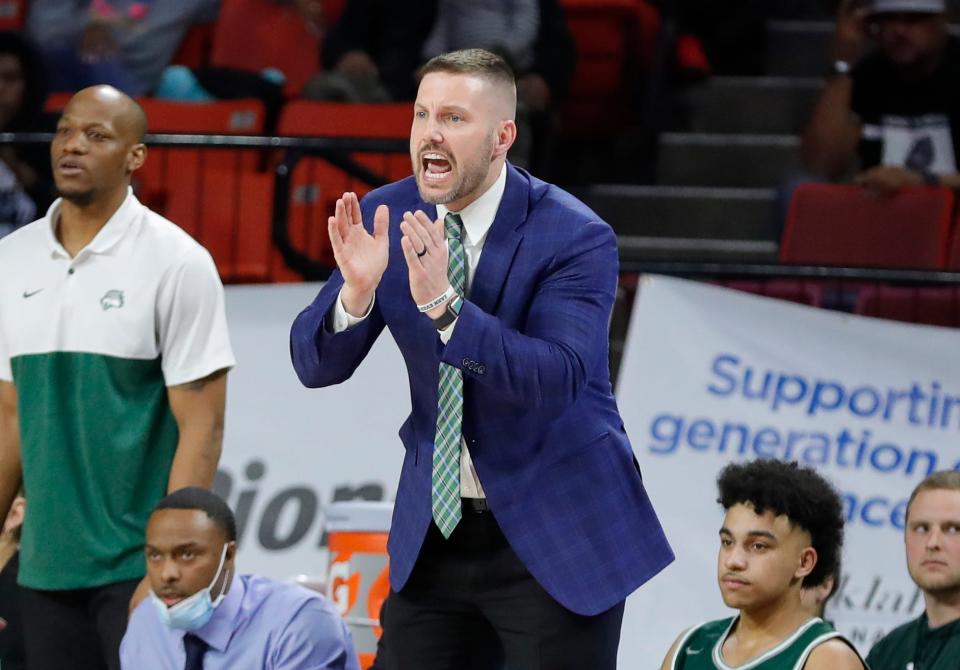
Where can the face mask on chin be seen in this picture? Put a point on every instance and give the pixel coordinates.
(194, 611)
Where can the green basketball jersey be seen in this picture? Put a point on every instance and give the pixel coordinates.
(700, 647)
(916, 646)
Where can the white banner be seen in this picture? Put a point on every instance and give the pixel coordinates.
(288, 450)
(712, 375)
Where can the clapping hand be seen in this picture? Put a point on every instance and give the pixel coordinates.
(424, 245)
(361, 257)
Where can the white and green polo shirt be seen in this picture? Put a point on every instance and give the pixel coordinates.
(91, 343)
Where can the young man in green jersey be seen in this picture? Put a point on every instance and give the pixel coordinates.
(932, 538)
(782, 531)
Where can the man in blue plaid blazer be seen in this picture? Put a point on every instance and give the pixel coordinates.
(550, 527)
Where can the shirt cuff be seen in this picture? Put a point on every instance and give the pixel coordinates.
(342, 320)
(447, 332)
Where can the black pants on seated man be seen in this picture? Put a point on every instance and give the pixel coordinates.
(471, 603)
(90, 625)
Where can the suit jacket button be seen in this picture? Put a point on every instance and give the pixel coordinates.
(481, 369)
(466, 362)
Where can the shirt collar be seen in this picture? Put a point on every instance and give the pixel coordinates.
(218, 631)
(478, 216)
(112, 232)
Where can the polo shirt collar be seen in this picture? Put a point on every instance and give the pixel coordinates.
(112, 232)
(218, 631)
(478, 216)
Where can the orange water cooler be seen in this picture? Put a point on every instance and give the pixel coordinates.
(358, 579)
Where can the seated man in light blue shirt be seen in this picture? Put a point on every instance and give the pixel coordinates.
(202, 616)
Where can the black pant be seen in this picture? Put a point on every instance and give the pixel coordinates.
(471, 603)
(78, 629)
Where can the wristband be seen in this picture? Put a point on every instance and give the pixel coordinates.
(439, 300)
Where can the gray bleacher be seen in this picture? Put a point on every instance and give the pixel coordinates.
(716, 180)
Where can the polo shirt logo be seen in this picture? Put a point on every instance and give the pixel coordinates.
(112, 298)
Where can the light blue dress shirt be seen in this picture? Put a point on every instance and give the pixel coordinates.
(260, 625)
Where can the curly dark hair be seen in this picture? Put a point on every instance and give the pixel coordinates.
(807, 499)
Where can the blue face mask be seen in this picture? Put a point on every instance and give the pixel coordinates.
(193, 612)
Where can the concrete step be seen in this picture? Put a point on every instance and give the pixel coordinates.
(731, 160)
(768, 105)
(688, 223)
(798, 48)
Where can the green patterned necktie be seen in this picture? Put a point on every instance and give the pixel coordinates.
(446, 444)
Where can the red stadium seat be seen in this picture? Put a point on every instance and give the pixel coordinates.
(56, 102)
(257, 34)
(228, 117)
(194, 51)
(12, 14)
(316, 184)
(228, 212)
(844, 225)
(932, 305)
(208, 192)
(613, 40)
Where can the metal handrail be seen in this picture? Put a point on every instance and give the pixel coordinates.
(791, 271)
(337, 151)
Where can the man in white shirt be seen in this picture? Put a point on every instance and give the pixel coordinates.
(113, 360)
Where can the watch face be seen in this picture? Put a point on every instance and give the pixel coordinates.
(456, 306)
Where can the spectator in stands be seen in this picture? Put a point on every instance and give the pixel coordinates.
(113, 359)
(372, 54)
(932, 539)
(898, 106)
(201, 614)
(12, 656)
(782, 531)
(26, 185)
(385, 42)
(125, 43)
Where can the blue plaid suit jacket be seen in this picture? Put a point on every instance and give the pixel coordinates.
(539, 416)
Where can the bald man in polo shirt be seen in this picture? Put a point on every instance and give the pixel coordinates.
(113, 360)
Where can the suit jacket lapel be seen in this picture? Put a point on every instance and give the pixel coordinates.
(502, 241)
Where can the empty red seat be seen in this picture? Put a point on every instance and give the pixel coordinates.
(613, 40)
(209, 192)
(194, 50)
(933, 305)
(830, 224)
(55, 102)
(316, 184)
(229, 212)
(224, 117)
(257, 34)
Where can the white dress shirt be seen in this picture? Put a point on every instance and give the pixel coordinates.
(477, 219)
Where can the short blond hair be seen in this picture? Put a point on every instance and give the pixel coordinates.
(942, 480)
